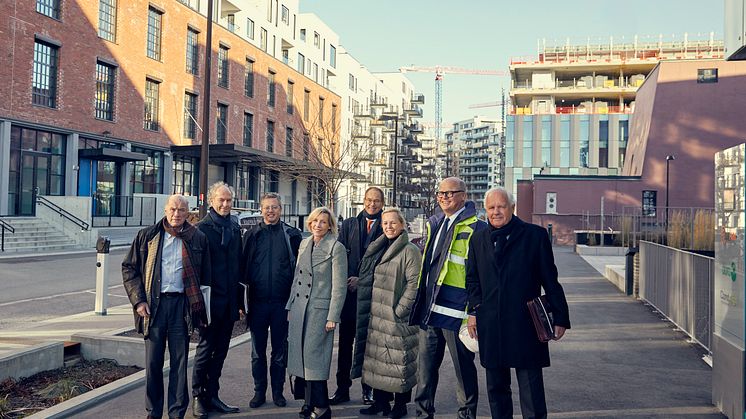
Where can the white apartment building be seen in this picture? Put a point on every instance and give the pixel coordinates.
(476, 160)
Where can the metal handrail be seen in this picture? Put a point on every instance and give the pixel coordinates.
(4, 226)
(62, 212)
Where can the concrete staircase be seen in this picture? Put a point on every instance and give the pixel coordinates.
(35, 235)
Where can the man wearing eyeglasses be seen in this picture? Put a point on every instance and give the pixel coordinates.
(356, 233)
(269, 256)
(440, 307)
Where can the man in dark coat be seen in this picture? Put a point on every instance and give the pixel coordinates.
(355, 234)
(508, 265)
(440, 305)
(270, 250)
(162, 274)
(224, 238)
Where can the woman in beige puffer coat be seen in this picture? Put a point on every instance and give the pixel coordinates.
(386, 346)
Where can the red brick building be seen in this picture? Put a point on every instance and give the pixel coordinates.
(106, 98)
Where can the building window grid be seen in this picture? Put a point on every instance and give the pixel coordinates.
(45, 75)
(248, 87)
(286, 15)
(107, 19)
(263, 40)
(49, 8)
(192, 4)
(190, 115)
(271, 89)
(623, 138)
(250, 28)
(301, 63)
(248, 129)
(546, 141)
(270, 136)
(221, 124)
(290, 104)
(185, 172)
(603, 143)
(584, 142)
(332, 56)
(155, 21)
(152, 88)
(564, 141)
(192, 52)
(147, 175)
(105, 78)
(528, 141)
(321, 112)
(288, 142)
(223, 70)
(306, 104)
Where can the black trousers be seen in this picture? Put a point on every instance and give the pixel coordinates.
(432, 344)
(168, 325)
(530, 390)
(210, 356)
(266, 317)
(399, 399)
(347, 329)
(317, 394)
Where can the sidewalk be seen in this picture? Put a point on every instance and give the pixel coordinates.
(619, 360)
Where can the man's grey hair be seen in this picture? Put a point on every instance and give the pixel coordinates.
(500, 189)
(271, 195)
(215, 187)
(461, 183)
(177, 197)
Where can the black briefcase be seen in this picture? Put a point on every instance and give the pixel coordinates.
(541, 315)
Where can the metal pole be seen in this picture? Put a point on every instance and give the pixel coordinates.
(396, 156)
(205, 150)
(667, 161)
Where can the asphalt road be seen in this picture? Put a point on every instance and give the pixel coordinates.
(40, 288)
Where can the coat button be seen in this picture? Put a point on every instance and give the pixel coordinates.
(309, 285)
(299, 283)
(301, 271)
(306, 296)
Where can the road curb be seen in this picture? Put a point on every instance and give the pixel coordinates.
(113, 389)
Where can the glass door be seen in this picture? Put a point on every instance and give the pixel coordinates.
(34, 179)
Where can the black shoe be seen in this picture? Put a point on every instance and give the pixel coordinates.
(465, 414)
(399, 411)
(199, 410)
(218, 405)
(326, 415)
(376, 408)
(257, 400)
(425, 415)
(339, 397)
(279, 400)
(368, 396)
(305, 412)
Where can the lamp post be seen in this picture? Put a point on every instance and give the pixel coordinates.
(204, 159)
(669, 158)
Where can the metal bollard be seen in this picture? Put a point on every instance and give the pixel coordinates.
(102, 273)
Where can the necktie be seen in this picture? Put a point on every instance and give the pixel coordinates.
(370, 222)
(441, 238)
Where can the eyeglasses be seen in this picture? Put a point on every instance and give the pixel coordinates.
(446, 194)
(373, 201)
(271, 207)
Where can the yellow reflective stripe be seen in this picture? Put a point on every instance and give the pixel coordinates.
(449, 312)
(456, 259)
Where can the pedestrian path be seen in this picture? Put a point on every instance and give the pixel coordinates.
(619, 360)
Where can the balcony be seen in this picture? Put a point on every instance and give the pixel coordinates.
(414, 111)
(414, 128)
(418, 99)
(360, 132)
(390, 112)
(377, 102)
(362, 112)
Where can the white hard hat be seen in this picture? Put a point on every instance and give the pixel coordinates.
(468, 341)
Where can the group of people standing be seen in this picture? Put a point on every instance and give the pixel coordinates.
(396, 308)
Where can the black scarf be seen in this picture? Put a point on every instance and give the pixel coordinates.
(226, 227)
(499, 237)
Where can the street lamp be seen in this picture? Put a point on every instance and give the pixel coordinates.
(669, 158)
(204, 159)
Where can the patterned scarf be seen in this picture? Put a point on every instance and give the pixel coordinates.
(189, 274)
(226, 227)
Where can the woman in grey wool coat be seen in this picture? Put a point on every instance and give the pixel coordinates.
(386, 346)
(314, 308)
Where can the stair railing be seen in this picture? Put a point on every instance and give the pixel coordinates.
(40, 200)
(5, 226)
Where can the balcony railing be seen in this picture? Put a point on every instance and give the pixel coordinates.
(526, 110)
(418, 98)
(362, 112)
(414, 110)
(377, 101)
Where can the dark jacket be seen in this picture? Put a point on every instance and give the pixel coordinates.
(268, 275)
(143, 284)
(225, 267)
(507, 338)
(349, 236)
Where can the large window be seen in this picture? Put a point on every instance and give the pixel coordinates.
(321, 112)
(271, 89)
(546, 141)
(105, 74)
(564, 141)
(249, 28)
(510, 142)
(623, 138)
(190, 115)
(223, 66)
(44, 85)
(192, 51)
(270, 136)
(603, 143)
(155, 21)
(306, 146)
(301, 63)
(107, 20)
(193, 4)
(49, 8)
(584, 139)
(290, 97)
(150, 120)
(147, 176)
(332, 56)
(263, 39)
(44, 169)
(221, 124)
(306, 104)
(288, 141)
(528, 141)
(286, 15)
(186, 174)
(248, 129)
(248, 87)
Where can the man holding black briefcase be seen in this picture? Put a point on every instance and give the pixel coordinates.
(508, 265)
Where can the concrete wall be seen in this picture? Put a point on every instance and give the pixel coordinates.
(80, 207)
(29, 361)
(727, 383)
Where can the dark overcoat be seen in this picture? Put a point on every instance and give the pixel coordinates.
(226, 262)
(349, 236)
(506, 335)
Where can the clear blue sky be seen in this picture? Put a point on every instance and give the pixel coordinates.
(483, 34)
